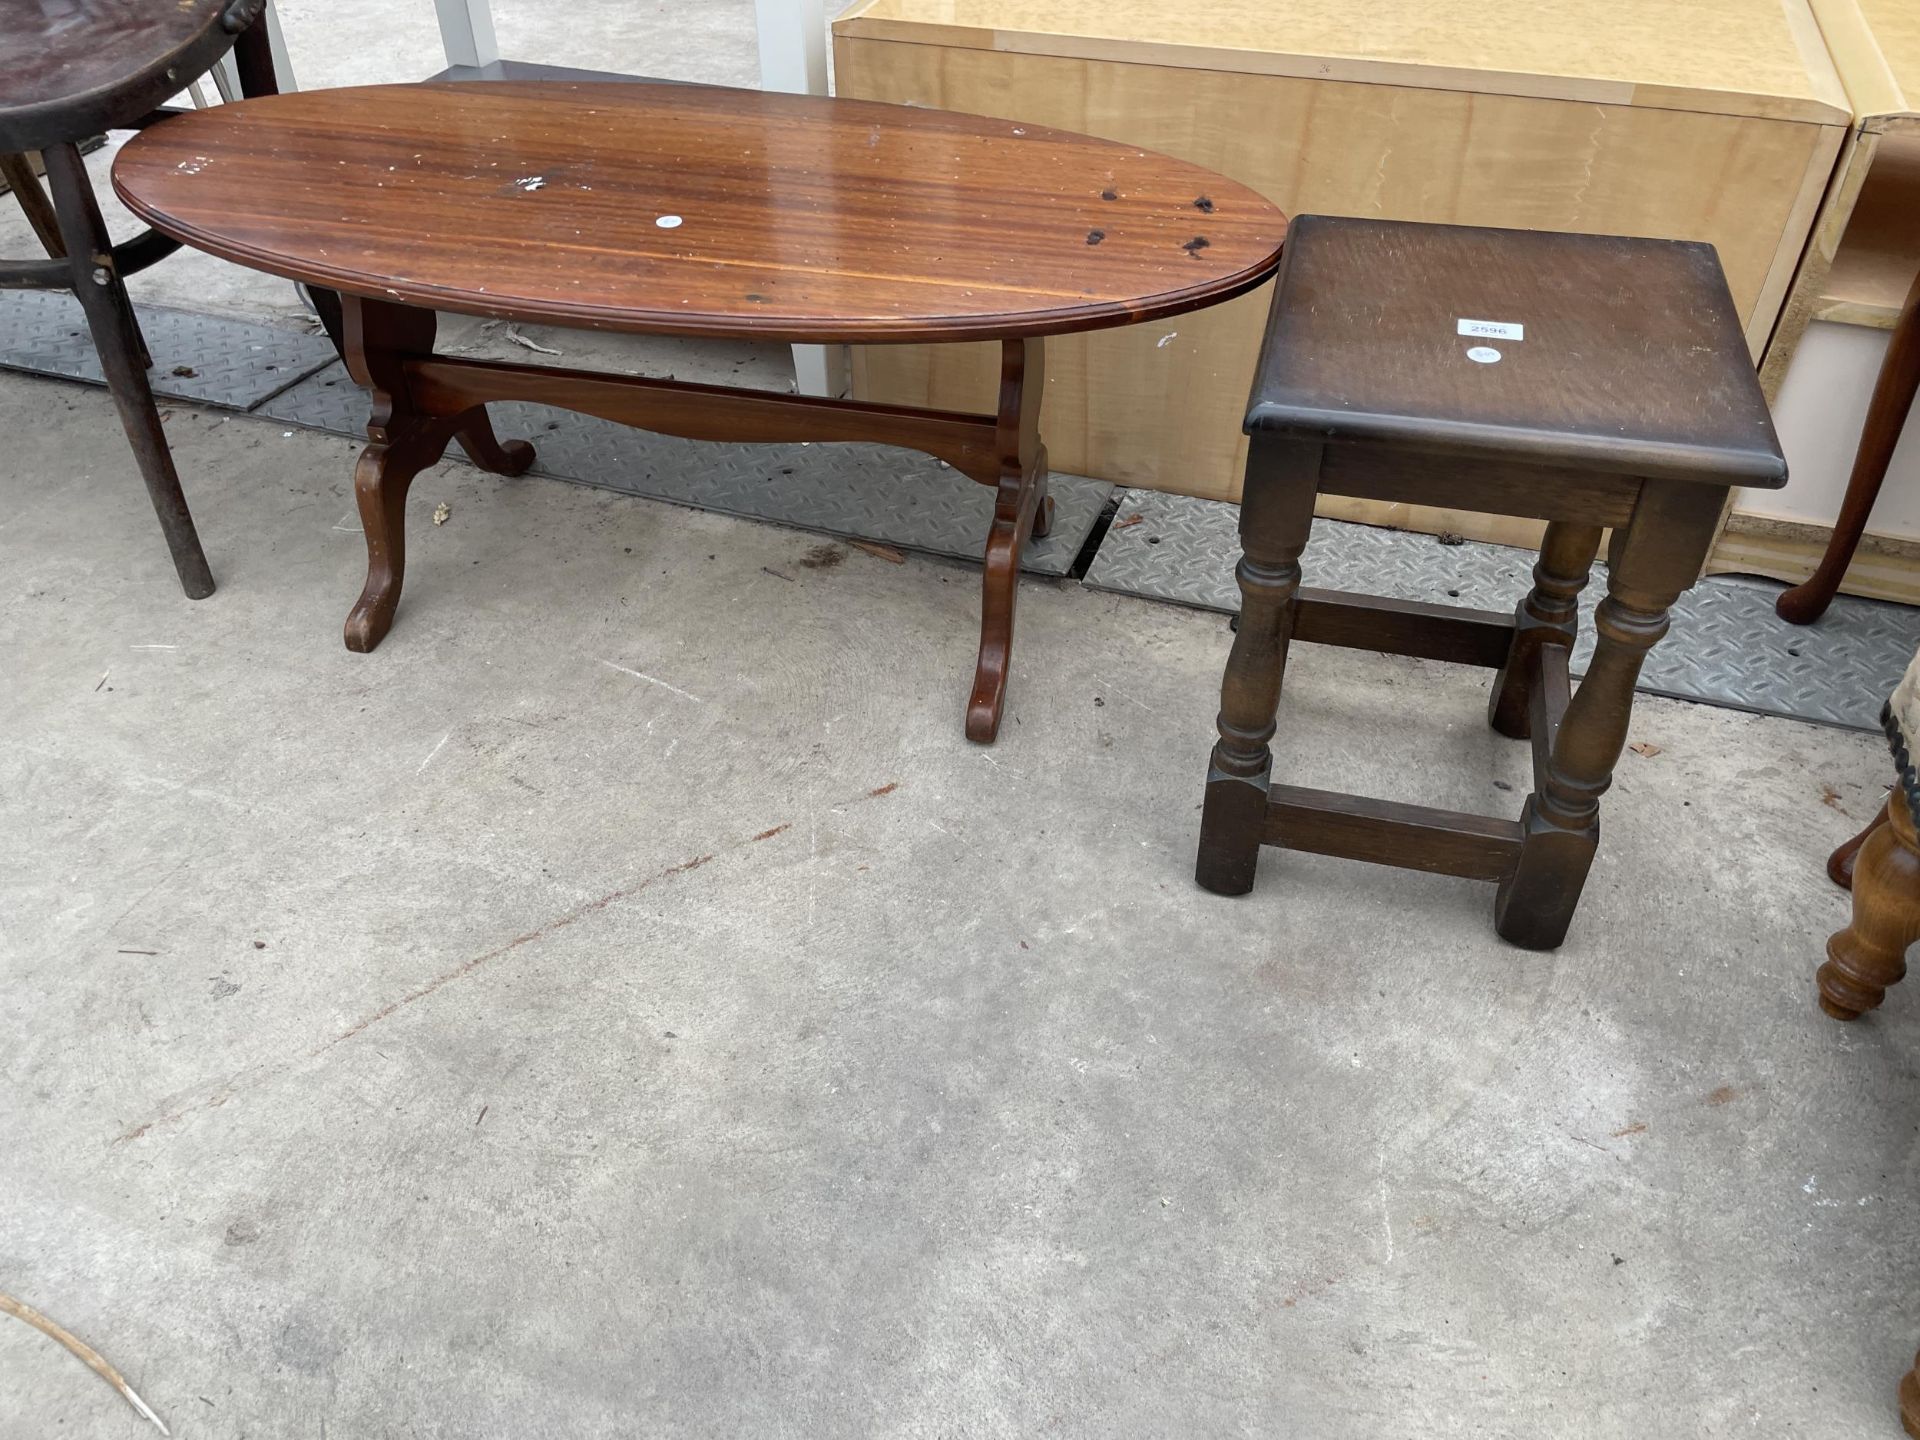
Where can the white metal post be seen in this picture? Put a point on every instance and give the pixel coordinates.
(466, 32)
(793, 45)
(277, 47)
(793, 58)
(226, 71)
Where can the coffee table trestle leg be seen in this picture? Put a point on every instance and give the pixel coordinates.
(401, 442)
(1021, 508)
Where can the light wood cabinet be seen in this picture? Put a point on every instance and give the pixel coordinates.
(1857, 267)
(1716, 120)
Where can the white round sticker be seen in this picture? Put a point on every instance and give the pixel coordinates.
(668, 222)
(1483, 354)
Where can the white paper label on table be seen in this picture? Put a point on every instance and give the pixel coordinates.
(1492, 329)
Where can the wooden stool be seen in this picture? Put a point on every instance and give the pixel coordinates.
(1583, 380)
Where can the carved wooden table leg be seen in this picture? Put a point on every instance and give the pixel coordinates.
(401, 442)
(1548, 615)
(1653, 560)
(1276, 515)
(1870, 955)
(96, 281)
(1893, 393)
(1910, 1400)
(1022, 507)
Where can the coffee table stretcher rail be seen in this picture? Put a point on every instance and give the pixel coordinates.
(423, 402)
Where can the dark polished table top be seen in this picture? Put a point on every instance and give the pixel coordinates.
(696, 210)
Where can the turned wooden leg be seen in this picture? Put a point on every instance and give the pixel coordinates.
(1548, 615)
(1893, 393)
(1016, 510)
(1654, 559)
(1840, 863)
(123, 358)
(1870, 955)
(1276, 514)
(1910, 1400)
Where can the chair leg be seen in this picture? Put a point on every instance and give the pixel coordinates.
(1870, 955)
(18, 173)
(1910, 1400)
(1893, 394)
(122, 356)
(1276, 516)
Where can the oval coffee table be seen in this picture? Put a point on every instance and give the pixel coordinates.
(681, 210)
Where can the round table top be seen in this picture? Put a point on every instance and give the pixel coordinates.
(693, 210)
(75, 67)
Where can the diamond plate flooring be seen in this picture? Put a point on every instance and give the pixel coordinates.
(1726, 647)
(216, 361)
(866, 492)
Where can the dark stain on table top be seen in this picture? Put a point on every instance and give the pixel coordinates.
(698, 210)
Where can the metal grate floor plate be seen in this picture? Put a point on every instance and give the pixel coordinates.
(867, 492)
(216, 361)
(1726, 647)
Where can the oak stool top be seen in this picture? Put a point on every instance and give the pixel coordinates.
(1589, 351)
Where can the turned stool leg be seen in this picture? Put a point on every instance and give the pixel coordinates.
(1548, 615)
(1276, 514)
(1910, 1400)
(1653, 560)
(1871, 953)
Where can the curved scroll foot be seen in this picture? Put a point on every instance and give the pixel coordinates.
(1869, 956)
(1893, 392)
(381, 480)
(484, 449)
(984, 707)
(1806, 602)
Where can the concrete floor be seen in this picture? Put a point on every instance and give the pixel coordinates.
(624, 1005)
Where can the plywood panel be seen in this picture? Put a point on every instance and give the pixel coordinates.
(1749, 57)
(1160, 406)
